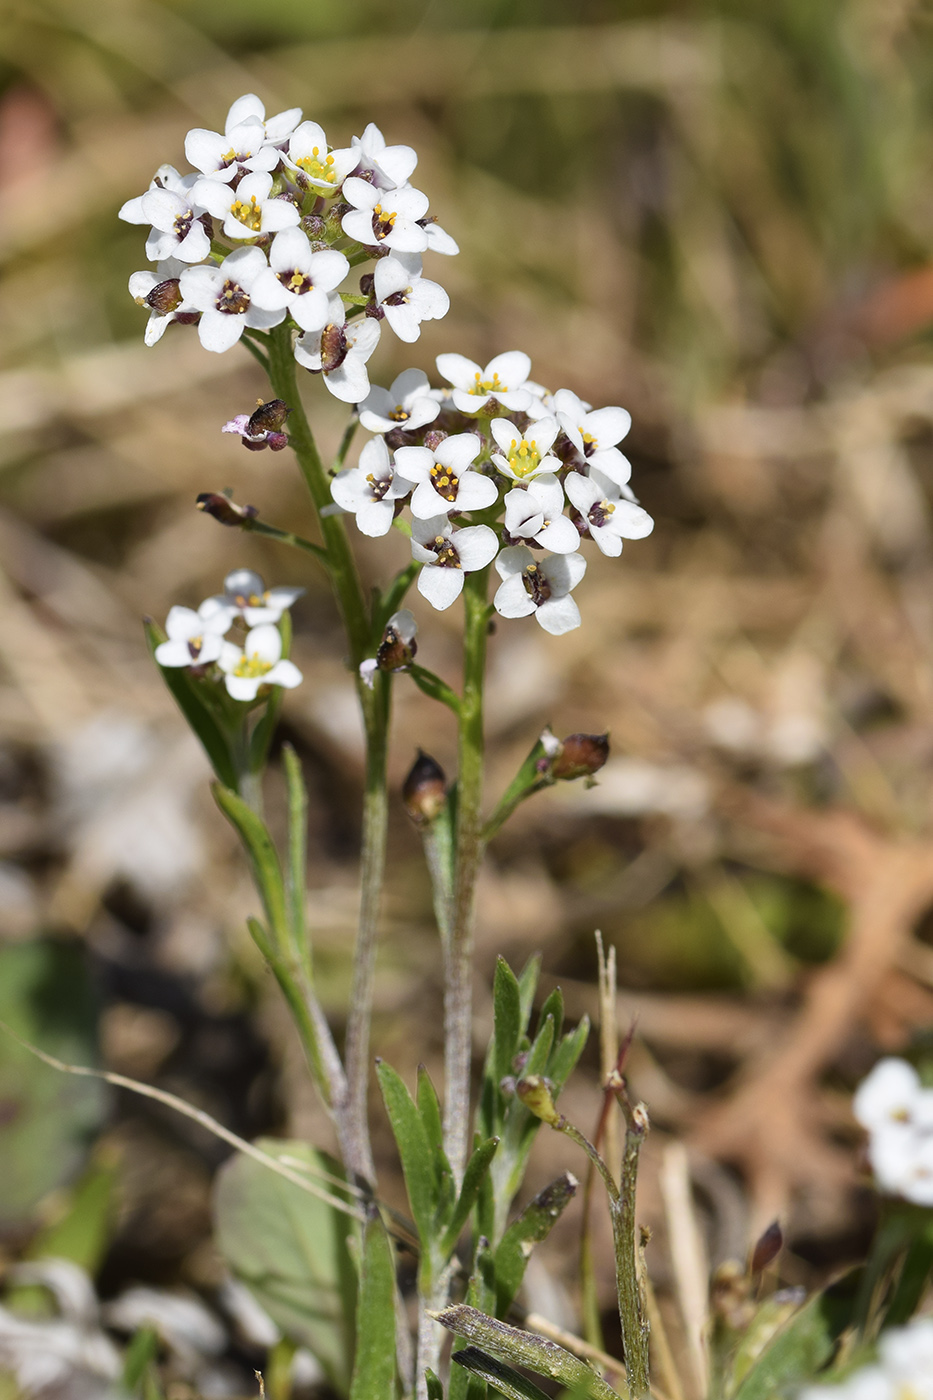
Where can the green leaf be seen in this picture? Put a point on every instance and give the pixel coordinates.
(433, 1386)
(473, 1177)
(267, 871)
(141, 1353)
(295, 879)
(554, 1007)
(508, 1023)
(532, 1226)
(540, 1051)
(291, 1250)
(538, 1354)
(564, 1059)
(430, 1110)
(413, 1149)
(805, 1344)
(192, 696)
(433, 685)
(47, 1119)
(504, 1379)
(84, 1232)
(374, 1365)
(528, 985)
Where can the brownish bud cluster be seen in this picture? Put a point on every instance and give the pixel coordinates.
(580, 756)
(424, 791)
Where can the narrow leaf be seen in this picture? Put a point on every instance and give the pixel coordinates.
(432, 1384)
(267, 871)
(563, 1061)
(295, 881)
(804, 1344)
(532, 1226)
(507, 1019)
(374, 1363)
(413, 1149)
(142, 1351)
(473, 1178)
(430, 1111)
(528, 985)
(190, 696)
(504, 1379)
(433, 685)
(538, 1354)
(554, 1007)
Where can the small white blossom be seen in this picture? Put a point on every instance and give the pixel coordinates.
(159, 290)
(369, 491)
(385, 218)
(595, 434)
(447, 554)
(340, 352)
(248, 211)
(444, 480)
(247, 597)
(540, 588)
(174, 215)
(258, 662)
(503, 379)
(251, 108)
(522, 457)
(224, 156)
(300, 280)
(439, 240)
(224, 295)
(194, 638)
(898, 1113)
(406, 297)
(536, 513)
(308, 154)
(391, 165)
(165, 178)
(608, 516)
(407, 404)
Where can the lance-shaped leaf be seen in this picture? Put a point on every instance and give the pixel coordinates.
(804, 1344)
(473, 1177)
(193, 698)
(507, 1021)
(374, 1362)
(264, 858)
(413, 1149)
(518, 1348)
(532, 1226)
(430, 1110)
(502, 1378)
(433, 685)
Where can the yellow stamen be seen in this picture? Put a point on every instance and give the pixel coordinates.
(250, 215)
(252, 666)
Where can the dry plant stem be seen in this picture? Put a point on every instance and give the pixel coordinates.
(350, 1112)
(458, 972)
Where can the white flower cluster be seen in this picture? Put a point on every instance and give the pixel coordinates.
(904, 1370)
(269, 224)
(196, 638)
(493, 445)
(897, 1111)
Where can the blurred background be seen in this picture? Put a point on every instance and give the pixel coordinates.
(718, 214)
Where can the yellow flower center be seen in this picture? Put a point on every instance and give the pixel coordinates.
(399, 414)
(248, 214)
(383, 223)
(600, 512)
(318, 169)
(536, 585)
(252, 666)
(228, 156)
(487, 386)
(589, 444)
(194, 646)
(524, 457)
(445, 482)
(447, 556)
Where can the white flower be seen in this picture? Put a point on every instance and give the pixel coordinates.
(194, 638)
(524, 457)
(385, 218)
(540, 588)
(369, 491)
(249, 210)
(888, 1095)
(247, 596)
(165, 178)
(160, 291)
(535, 513)
(340, 352)
(259, 662)
(224, 157)
(308, 155)
(444, 481)
(406, 297)
(396, 650)
(407, 404)
(503, 379)
(223, 294)
(595, 434)
(904, 1370)
(447, 554)
(608, 516)
(300, 280)
(250, 108)
(177, 230)
(439, 240)
(391, 165)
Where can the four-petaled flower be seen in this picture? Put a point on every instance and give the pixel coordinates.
(369, 491)
(503, 380)
(540, 587)
(242, 147)
(340, 352)
(309, 156)
(447, 554)
(195, 638)
(605, 512)
(224, 295)
(523, 456)
(258, 662)
(595, 433)
(246, 596)
(300, 280)
(444, 480)
(390, 165)
(250, 210)
(405, 297)
(276, 129)
(536, 513)
(385, 218)
(407, 404)
(161, 292)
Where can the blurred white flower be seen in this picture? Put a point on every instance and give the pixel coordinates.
(259, 662)
(194, 638)
(246, 595)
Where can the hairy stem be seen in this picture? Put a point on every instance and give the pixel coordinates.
(628, 1287)
(458, 971)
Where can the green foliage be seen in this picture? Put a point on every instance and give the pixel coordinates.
(374, 1364)
(206, 709)
(517, 1348)
(804, 1345)
(83, 1233)
(47, 1119)
(291, 1250)
(532, 1226)
(504, 1379)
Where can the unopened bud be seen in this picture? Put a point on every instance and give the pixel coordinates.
(580, 756)
(333, 347)
(424, 791)
(313, 225)
(767, 1249)
(434, 437)
(223, 509)
(398, 645)
(367, 283)
(165, 296)
(268, 417)
(535, 1094)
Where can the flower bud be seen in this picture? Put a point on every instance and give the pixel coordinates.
(398, 645)
(268, 417)
(767, 1249)
(333, 347)
(580, 756)
(223, 509)
(313, 225)
(434, 437)
(165, 296)
(424, 791)
(535, 1094)
(367, 283)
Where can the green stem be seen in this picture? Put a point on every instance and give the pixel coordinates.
(468, 853)
(272, 532)
(622, 1213)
